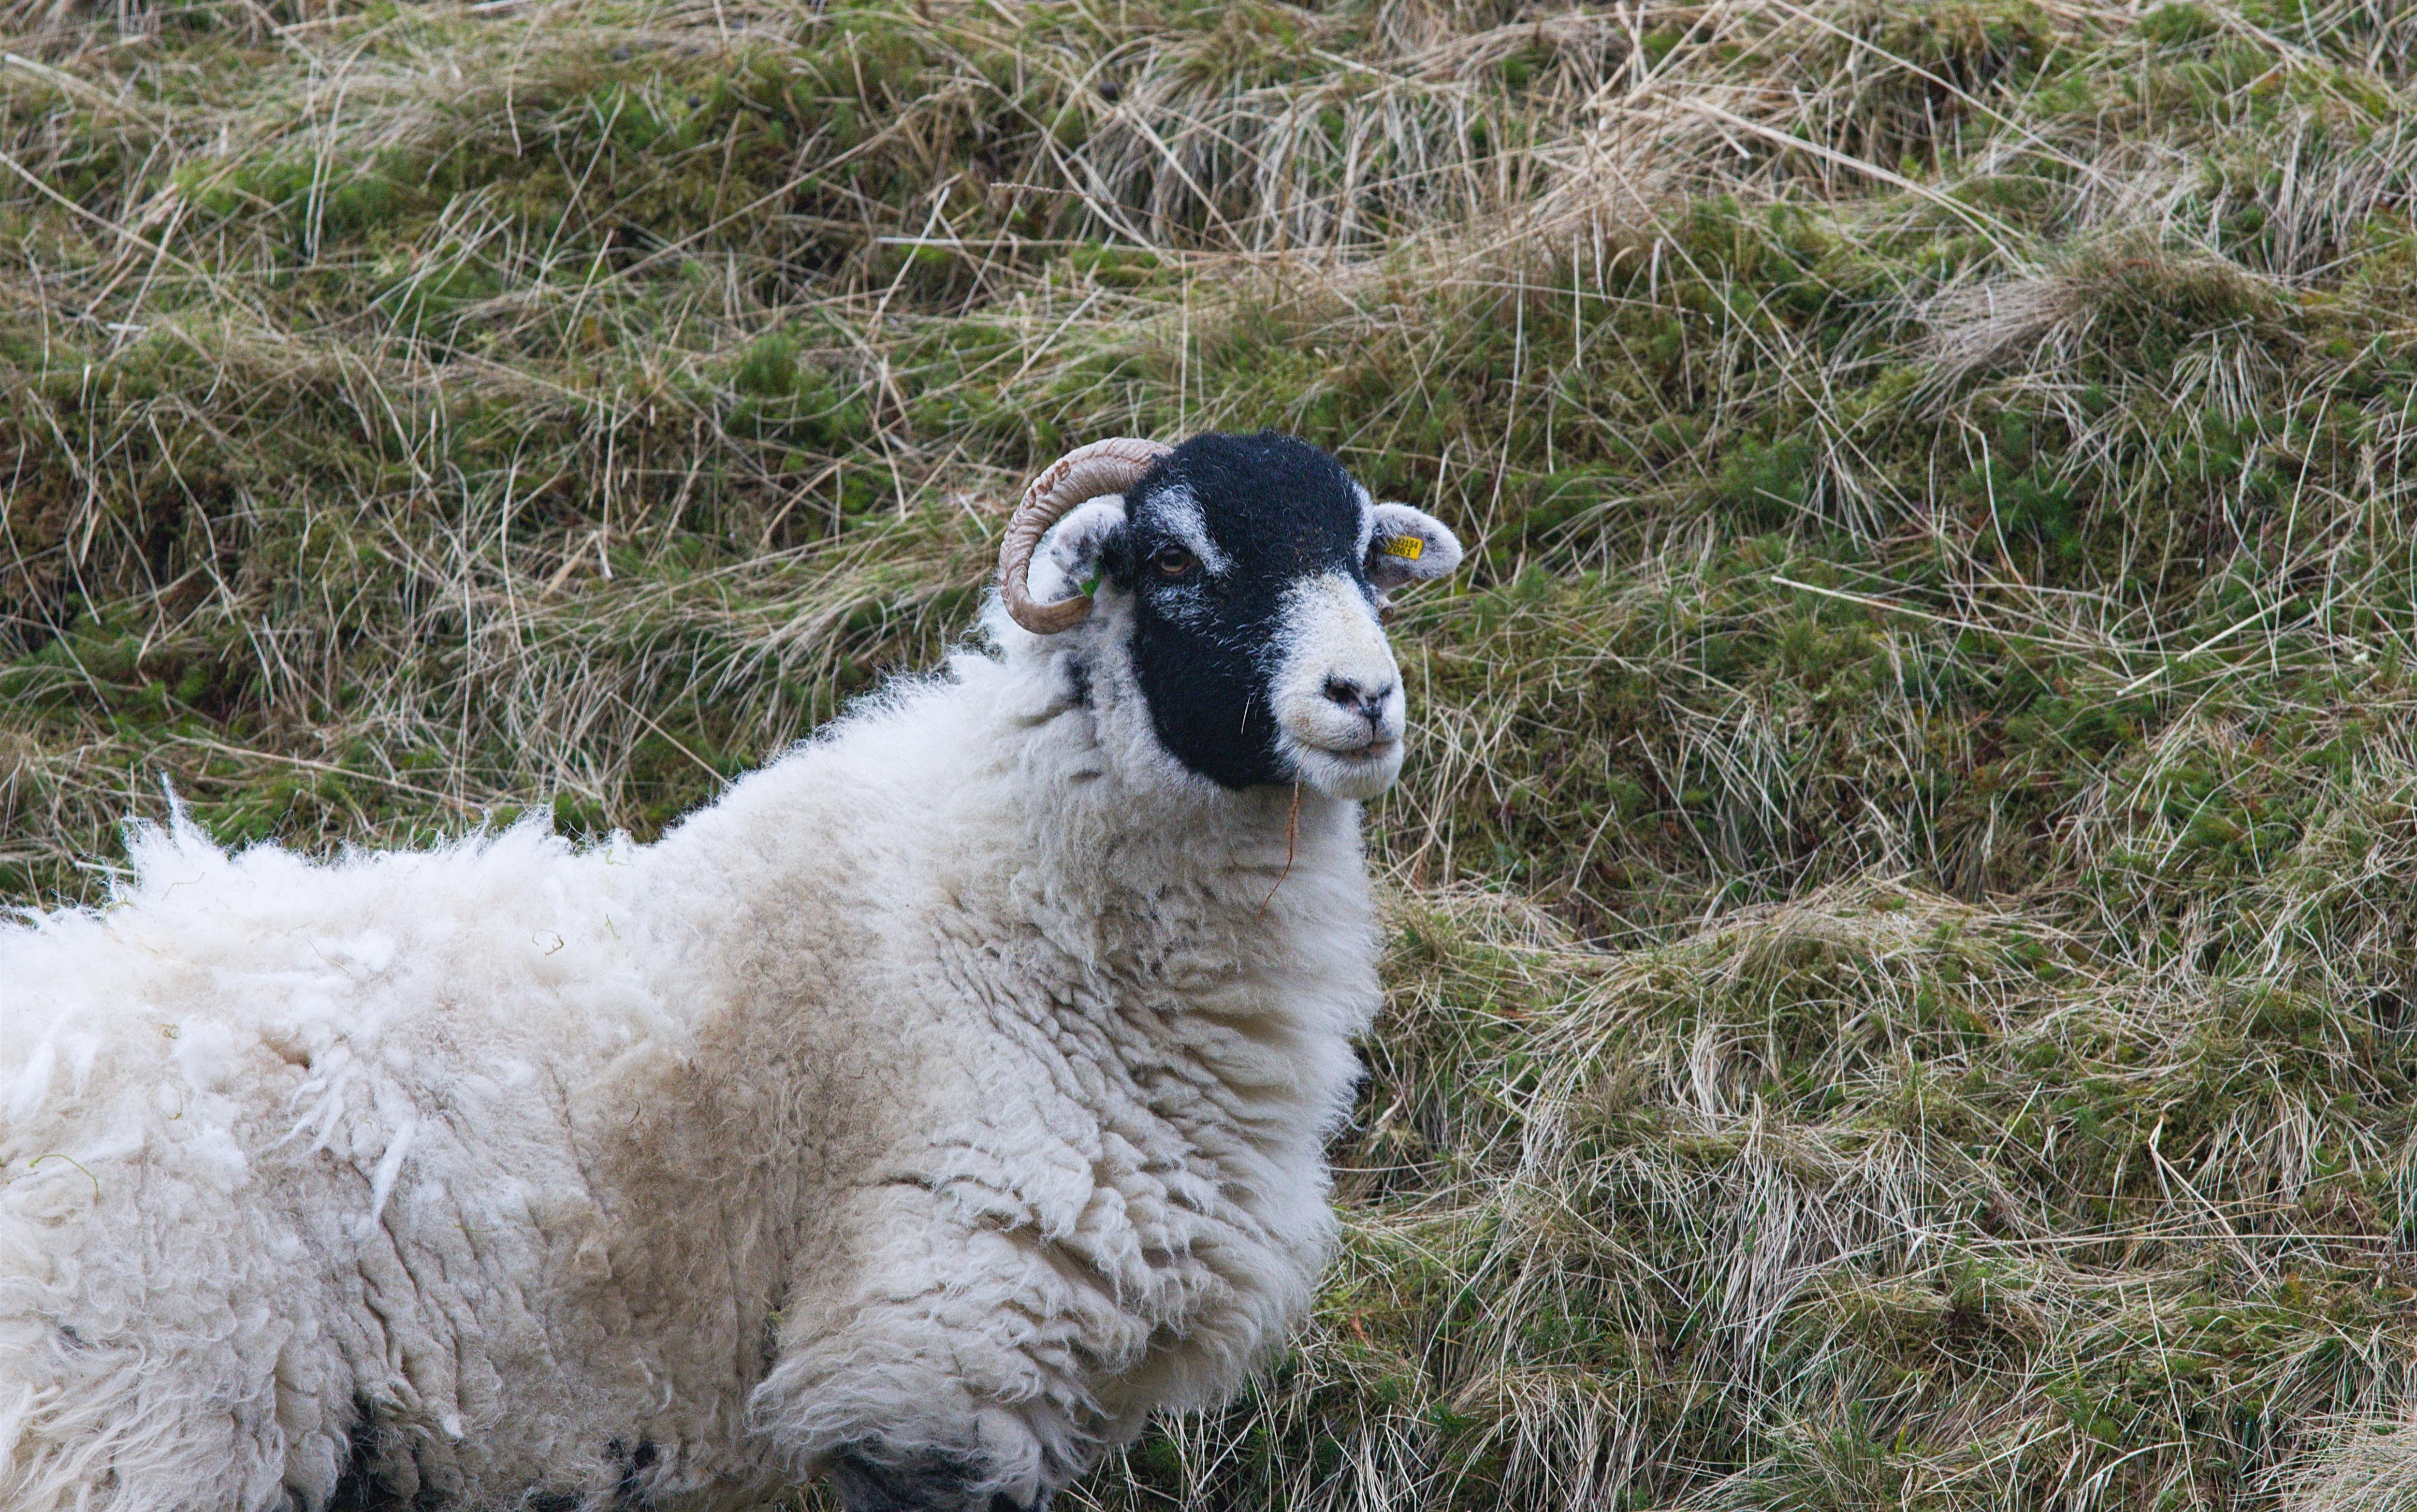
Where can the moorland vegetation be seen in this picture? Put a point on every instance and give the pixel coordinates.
(1903, 910)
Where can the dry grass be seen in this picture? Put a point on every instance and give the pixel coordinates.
(1906, 909)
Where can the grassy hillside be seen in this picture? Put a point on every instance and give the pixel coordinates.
(1904, 903)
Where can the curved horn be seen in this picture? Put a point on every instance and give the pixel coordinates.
(1109, 466)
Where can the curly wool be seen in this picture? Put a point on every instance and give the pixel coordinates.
(954, 1086)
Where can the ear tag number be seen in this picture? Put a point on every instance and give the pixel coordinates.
(1408, 548)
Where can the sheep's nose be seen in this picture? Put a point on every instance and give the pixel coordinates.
(1367, 703)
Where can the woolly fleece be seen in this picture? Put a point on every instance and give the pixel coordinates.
(955, 1086)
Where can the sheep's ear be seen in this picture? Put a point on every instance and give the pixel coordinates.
(1068, 561)
(1408, 546)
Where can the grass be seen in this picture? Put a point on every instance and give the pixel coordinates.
(1905, 908)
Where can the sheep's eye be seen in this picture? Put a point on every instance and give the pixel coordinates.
(1172, 561)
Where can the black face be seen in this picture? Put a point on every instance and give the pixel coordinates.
(1272, 510)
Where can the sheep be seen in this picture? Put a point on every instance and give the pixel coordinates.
(921, 1115)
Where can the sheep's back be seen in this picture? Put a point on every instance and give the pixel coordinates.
(292, 1138)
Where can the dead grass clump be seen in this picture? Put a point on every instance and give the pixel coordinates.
(1846, 1179)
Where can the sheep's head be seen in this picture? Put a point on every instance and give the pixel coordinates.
(1245, 574)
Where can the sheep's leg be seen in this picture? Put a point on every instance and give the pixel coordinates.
(928, 1483)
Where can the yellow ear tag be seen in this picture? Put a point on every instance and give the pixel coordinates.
(1408, 548)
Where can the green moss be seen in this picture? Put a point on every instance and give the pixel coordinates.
(2173, 25)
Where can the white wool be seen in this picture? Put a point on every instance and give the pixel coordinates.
(958, 1083)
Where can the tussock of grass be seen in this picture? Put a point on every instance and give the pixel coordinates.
(1903, 912)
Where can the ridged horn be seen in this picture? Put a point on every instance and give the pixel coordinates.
(1109, 466)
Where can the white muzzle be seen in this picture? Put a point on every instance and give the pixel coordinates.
(1337, 692)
